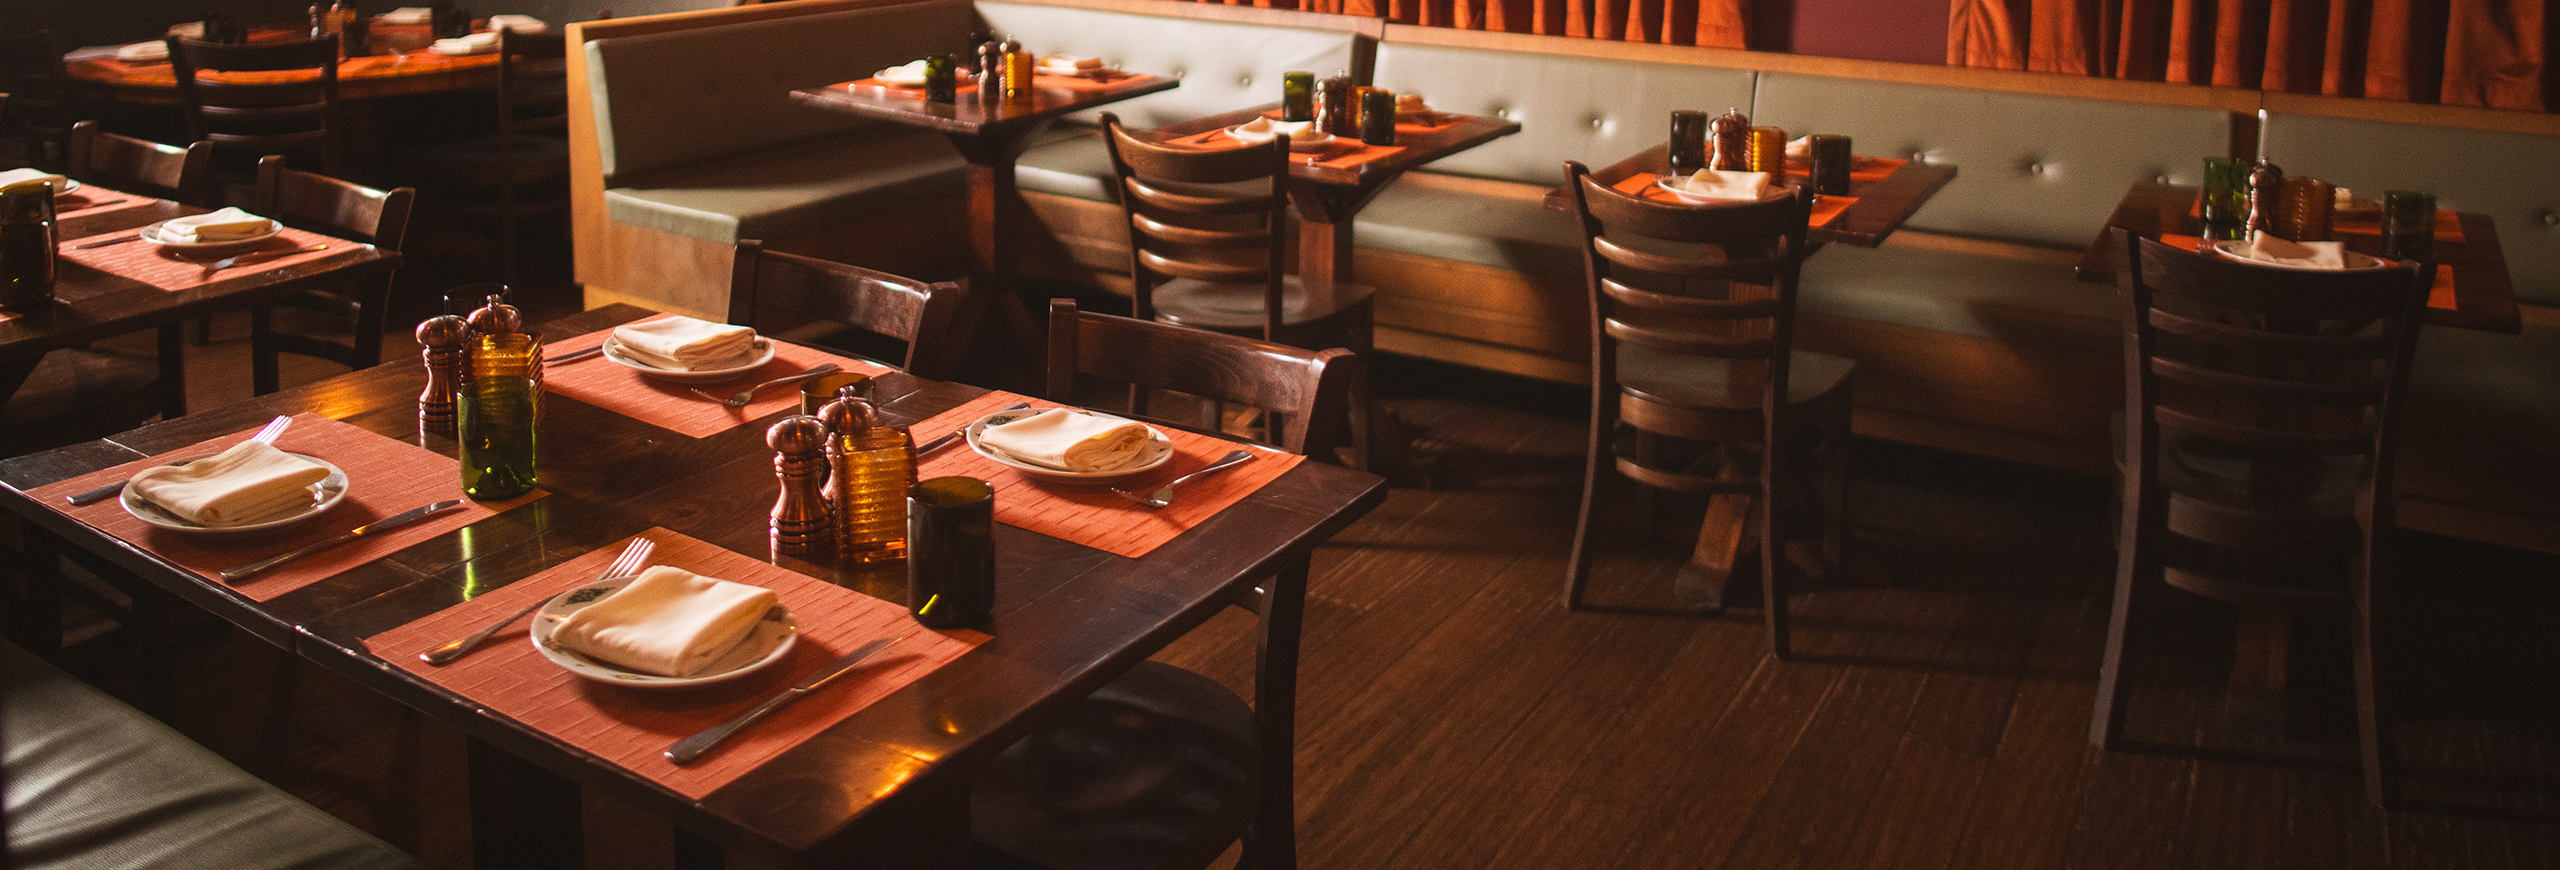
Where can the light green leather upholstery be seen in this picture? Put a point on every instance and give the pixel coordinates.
(1501, 232)
(785, 189)
(1997, 298)
(1071, 161)
(92, 783)
(1223, 66)
(1569, 108)
(2516, 374)
(2035, 169)
(2514, 178)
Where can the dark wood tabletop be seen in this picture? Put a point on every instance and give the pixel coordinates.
(1882, 206)
(972, 114)
(359, 78)
(2483, 293)
(887, 784)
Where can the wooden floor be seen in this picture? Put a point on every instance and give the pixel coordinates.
(1455, 716)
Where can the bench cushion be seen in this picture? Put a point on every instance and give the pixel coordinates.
(2054, 188)
(93, 783)
(2028, 302)
(1569, 108)
(1224, 66)
(2507, 176)
(1503, 232)
(785, 190)
(665, 101)
(2489, 371)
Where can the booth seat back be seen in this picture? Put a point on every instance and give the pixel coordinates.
(2031, 168)
(2514, 178)
(681, 98)
(1569, 107)
(1224, 66)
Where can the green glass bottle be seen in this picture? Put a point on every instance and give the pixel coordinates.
(498, 404)
(26, 246)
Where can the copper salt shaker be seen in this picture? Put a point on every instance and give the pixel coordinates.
(1729, 136)
(2265, 183)
(440, 342)
(798, 525)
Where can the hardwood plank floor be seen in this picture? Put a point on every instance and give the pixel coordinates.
(1454, 715)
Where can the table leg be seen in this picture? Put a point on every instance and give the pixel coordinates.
(1324, 258)
(521, 815)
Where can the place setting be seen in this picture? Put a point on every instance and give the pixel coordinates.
(687, 374)
(190, 251)
(70, 197)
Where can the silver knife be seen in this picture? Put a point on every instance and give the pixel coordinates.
(234, 575)
(945, 441)
(690, 748)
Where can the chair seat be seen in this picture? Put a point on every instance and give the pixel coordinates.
(1704, 383)
(480, 162)
(76, 394)
(1237, 308)
(1157, 763)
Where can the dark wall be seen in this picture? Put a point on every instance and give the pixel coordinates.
(1911, 31)
(113, 22)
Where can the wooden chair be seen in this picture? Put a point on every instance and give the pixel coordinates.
(140, 166)
(1692, 327)
(289, 110)
(39, 89)
(347, 210)
(802, 297)
(1163, 767)
(522, 169)
(1208, 230)
(2261, 409)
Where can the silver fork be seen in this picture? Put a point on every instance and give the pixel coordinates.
(255, 256)
(633, 556)
(1163, 495)
(740, 398)
(274, 429)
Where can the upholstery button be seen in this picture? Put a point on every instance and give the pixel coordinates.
(2551, 219)
(1244, 81)
(2035, 168)
(1503, 112)
(1597, 123)
(2160, 179)
(1179, 72)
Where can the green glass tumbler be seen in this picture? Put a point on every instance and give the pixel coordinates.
(941, 81)
(2224, 207)
(2408, 225)
(1297, 96)
(951, 552)
(1688, 141)
(1831, 161)
(1377, 116)
(26, 246)
(496, 409)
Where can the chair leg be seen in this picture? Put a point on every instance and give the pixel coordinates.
(1773, 598)
(1834, 475)
(1595, 446)
(263, 375)
(173, 371)
(2381, 782)
(2134, 566)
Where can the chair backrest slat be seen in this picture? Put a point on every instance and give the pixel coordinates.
(100, 157)
(1202, 213)
(1307, 387)
(1695, 280)
(768, 287)
(260, 107)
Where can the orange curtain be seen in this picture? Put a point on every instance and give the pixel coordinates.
(1716, 23)
(2459, 52)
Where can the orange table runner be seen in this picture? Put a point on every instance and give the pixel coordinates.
(167, 270)
(2438, 296)
(1345, 157)
(632, 726)
(1407, 122)
(384, 477)
(1825, 208)
(92, 199)
(614, 387)
(876, 86)
(1087, 514)
(1117, 79)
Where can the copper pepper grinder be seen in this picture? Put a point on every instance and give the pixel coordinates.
(440, 339)
(1730, 135)
(2265, 180)
(798, 525)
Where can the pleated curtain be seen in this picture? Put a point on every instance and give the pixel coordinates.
(1715, 23)
(2458, 52)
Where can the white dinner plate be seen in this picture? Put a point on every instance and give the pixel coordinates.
(767, 643)
(324, 495)
(1156, 453)
(152, 234)
(2230, 248)
(758, 353)
(1671, 186)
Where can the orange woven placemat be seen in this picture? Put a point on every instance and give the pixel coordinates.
(1825, 209)
(1088, 514)
(150, 264)
(631, 726)
(384, 477)
(614, 387)
(92, 199)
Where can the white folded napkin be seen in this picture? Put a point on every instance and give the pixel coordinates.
(683, 343)
(668, 621)
(478, 43)
(23, 176)
(249, 482)
(909, 73)
(1262, 128)
(518, 23)
(1070, 440)
(228, 225)
(1800, 147)
(1411, 104)
(407, 15)
(1069, 64)
(2270, 248)
(1726, 184)
(190, 30)
(144, 52)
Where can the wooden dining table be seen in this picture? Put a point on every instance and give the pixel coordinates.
(1883, 193)
(101, 291)
(2473, 289)
(359, 78)
(874, 773)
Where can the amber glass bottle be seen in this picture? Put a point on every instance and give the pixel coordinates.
(26, 246)
(870, 468)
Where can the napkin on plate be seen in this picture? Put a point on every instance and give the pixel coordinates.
(683, 343)
(2270, 248)
(1262, 128)
(144, 52)
(249, 482)
(910, 73)
(228, 225)
(1800, 148)
(1726, 184)
(1071, 441)
(407, 15)
(1411, 104)
(518, 23)
(668, 621)
(1063, 64)
(478, 43)
(23, 176)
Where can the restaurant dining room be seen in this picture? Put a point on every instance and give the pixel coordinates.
(1301, 433)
